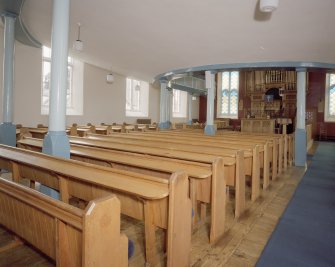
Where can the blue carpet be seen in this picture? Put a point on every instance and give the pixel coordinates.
(305, 235)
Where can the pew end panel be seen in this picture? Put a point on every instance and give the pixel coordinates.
(61, 231)
(179, 221)
(101, 229)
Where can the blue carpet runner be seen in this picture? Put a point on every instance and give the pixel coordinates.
(305, 235)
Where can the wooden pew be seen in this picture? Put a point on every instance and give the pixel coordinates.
(260, 154)
(68, 235)
(284, 141)
(82, 130)
(276, 143)
(234, 174)
(38, 132)
(22, 132)
(41, 132)
(158, 202)
(207, 183)
(268, 150)
(251, 158)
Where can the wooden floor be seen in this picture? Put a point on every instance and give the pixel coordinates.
(242, 244)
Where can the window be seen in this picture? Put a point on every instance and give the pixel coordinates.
(74, 92)
(137, 98)
(330, 98)
(227, 95)
(179, 104)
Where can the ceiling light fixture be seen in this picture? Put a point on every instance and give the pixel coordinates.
(110, 78)
(78, 44)
(268, 5)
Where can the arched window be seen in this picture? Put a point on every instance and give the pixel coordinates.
(227, 100)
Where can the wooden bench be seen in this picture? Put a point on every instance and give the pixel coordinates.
(276, 143)
(68, 235)
(251, 158)
(267, 148)
(258, 152)
(234, 174)
(207, 183)
(158, 202)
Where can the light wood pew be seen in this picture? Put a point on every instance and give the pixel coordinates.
(234, 174)
(68, 235)
(207, 183)
(38, 132)
(41, 132)
(275, 142)
(260, 158)
(103, 129)
(285, 146)
(199, 139)
(158, 202)
(82, 130)
(267, 151)
(251, 160)
(22, 132)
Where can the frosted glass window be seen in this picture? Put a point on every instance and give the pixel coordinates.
(332, 101)
(74, 90)
(179, 104)
(227, 105)
(137, 98)
(329, 115)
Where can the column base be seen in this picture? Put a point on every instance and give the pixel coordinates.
(164, 125)
(8, 134)
(190, 122)
(55, 144)
(300, 148)
(210, 130)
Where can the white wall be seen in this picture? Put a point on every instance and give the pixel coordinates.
(103, 102)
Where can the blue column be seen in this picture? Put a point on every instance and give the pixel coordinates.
(210, 86)
(56, 141)
(7, 128)
(189, 122)
(162, 107)
(300, 131)
(168, 108)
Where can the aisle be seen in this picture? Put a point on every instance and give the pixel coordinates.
(305, 235)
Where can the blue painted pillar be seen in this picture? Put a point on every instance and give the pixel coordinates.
(168, 108)
(190, 104)
(210, 86)
(162, 107)
(56, 141)
(7, 128)
(300, 130)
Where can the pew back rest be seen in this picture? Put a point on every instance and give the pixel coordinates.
(70, 236)
(51, 169)
(143, 121)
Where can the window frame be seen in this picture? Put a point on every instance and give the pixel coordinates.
(140, 95)
(74, 94)
(230, 93)
(327, 116)
(179, 103)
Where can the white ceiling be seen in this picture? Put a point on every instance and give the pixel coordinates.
(145, 38)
